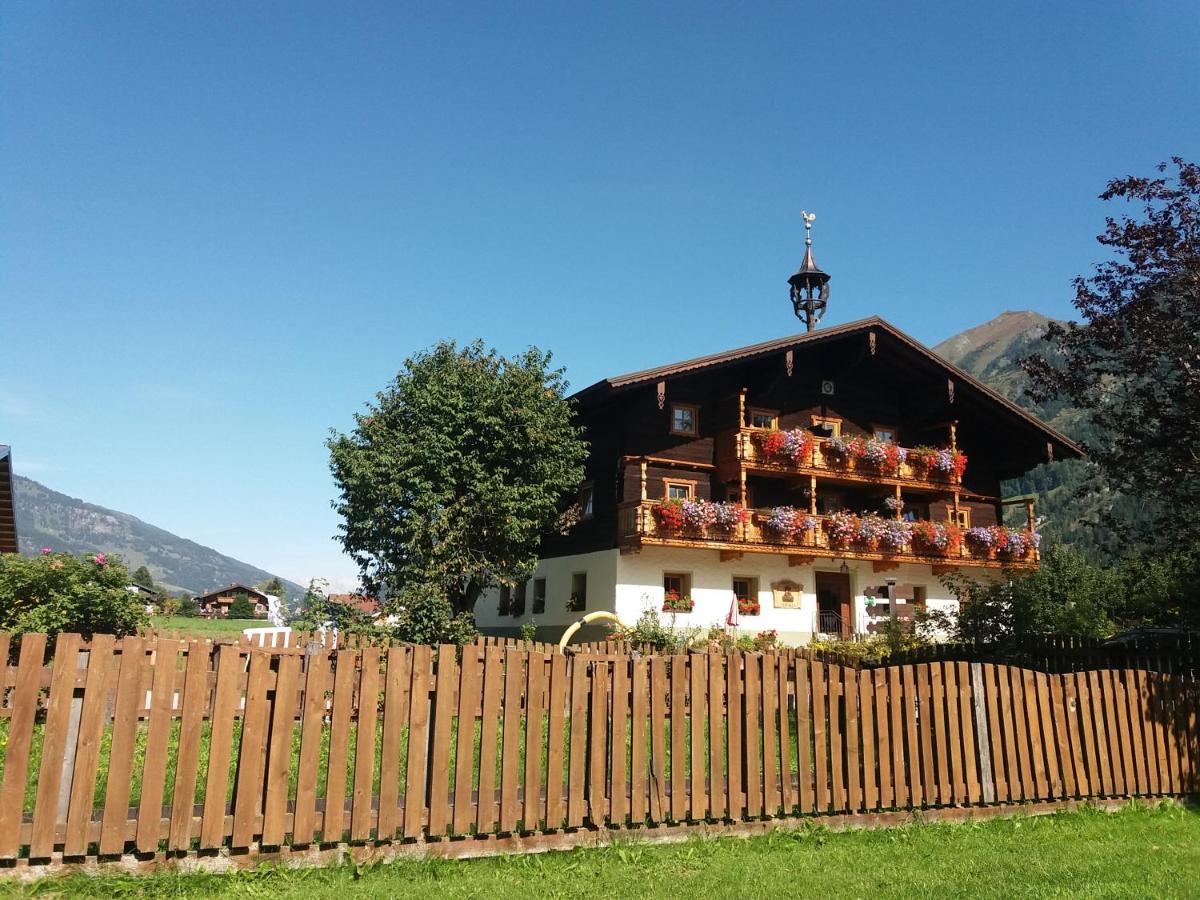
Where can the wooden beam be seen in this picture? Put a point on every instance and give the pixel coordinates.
(728, 555)
(794, 560)
(881, 565)
(942, 569)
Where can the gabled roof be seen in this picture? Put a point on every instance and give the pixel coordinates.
(811, 338)
(8, 516)
(234, 588)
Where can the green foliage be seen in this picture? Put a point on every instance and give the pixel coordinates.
(141, 576)
(529, 630)
(422, 614)
(171, 606)
(188, 607)
(57, 592)
(275, 588)
(241, 608)
(317, 611)
(454, 472)
(1066, 595)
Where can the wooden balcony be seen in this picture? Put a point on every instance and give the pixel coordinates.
(638, 527)
(740, 449)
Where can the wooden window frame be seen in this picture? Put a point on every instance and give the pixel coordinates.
(876, 427)
(695, 432)
(587, 500)
(761, 411)
(752, 584)
(571, 604)
(538, 603)
(668, 483)
(685, 583)
(960, 517)
(834, 422)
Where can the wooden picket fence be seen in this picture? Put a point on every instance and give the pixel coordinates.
(162, 747)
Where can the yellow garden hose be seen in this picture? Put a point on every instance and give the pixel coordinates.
(590, 617)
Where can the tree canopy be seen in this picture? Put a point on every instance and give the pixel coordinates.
(452, 474)
(55, 592)
(1133, 363)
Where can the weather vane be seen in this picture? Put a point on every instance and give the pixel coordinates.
(809, 286)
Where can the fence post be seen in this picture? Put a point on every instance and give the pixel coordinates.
(982, 740)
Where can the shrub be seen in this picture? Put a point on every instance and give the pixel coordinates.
(241, 608)
(59, 592)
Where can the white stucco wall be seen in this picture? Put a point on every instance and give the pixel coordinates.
(601, 569)
(629, 584)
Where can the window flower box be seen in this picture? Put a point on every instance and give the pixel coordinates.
(674, 603)
(749, 608)
(669, 515)
(789, 524)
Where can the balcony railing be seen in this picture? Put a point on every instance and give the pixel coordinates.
(744, 447)
(829, 622)
(639, 524)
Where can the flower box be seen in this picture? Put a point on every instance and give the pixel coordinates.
(674, 603)
(749, 608)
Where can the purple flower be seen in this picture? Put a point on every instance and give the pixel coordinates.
(46, 551)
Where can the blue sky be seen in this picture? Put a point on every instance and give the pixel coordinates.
(226, 225)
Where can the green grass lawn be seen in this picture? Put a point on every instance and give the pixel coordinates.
(207, 628)
(1140, 852)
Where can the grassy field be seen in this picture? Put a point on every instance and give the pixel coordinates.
(1140, 852)
(208, 628)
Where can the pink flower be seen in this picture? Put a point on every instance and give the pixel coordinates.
(46, 551)
(101, 559)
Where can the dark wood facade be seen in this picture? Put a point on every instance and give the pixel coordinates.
(868, 376)
(8, 518)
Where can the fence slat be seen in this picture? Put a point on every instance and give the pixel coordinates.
(470, 700)
(866, 713)
(820, 699)
(804, 735)
(787, 795)
(87, 754)
(312, 730)
(954, 691)
(443, 720)
(716, 735)
(216, 786)
(679, 749)
(364, 745)
(54, 744)
(20, 740)
(597, 811)
(279, 751)
(619, 798)
(912, 736)
(751, 743)
(158, 731)
(659, 809)
(1087, 733)
(194, 707)
(1062, 738)
(333, 823)
(577, 771)
(397, 683)
(853, 738)
(890, 753)
(697, 714)
(248, 791)
(555, 724)
(510, 765)
(735, 790)
(769, 731)
(966, 709)
(929, 784)
(489, 736)
(416, 779)
(942, 756)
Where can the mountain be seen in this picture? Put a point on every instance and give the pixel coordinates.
(46, 518)
(1075, 508)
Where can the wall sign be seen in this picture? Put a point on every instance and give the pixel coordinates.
(786, 594)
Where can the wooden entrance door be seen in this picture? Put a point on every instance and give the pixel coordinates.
(834, 614)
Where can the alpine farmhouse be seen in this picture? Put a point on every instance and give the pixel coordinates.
(812, 485)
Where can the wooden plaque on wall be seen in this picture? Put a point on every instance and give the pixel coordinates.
(786, 594)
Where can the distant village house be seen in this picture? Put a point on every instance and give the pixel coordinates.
(215, 604)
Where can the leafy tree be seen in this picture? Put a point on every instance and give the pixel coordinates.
(57, 592)
(1131, 365)
(451, 476)
(141, 576)
(1066, 595)
(171, 606)
(275, 588)
(241, 608)
(423, 615)
(188, 607)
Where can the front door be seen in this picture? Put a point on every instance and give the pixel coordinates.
(833, 604)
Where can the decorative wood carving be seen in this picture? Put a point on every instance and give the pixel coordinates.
(1049, 452)
(787, 362)
(950, 389)
(871, 341)
(797, 560)
(662, 395)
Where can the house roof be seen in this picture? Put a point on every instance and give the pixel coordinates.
(823, 335)
(360, 602)
(8, 517)
(232, 589)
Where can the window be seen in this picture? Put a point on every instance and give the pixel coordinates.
(745, 589)
(586, 496)
(680, 490)
(677, 585)
(884, 433)
(764, 419)
(685, 419)
(960, 517)
(578, 601)
(505, 600)
(828, 425)
(539, 595)
(517, 606)
(919, 596)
